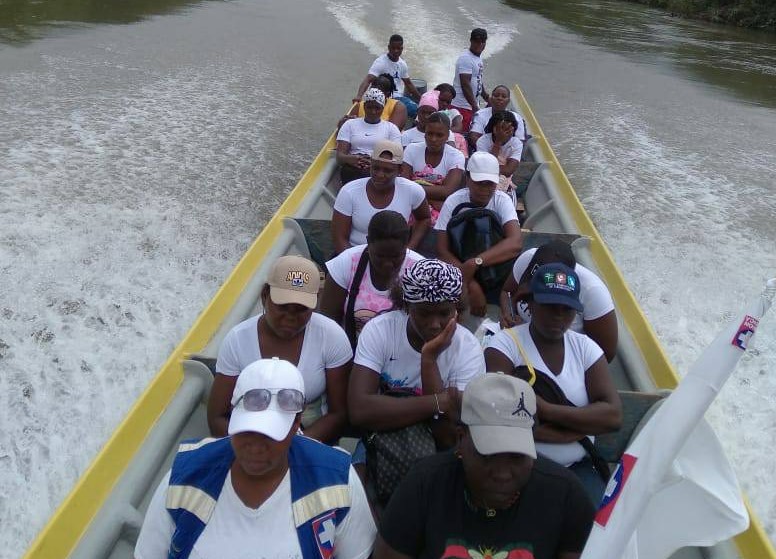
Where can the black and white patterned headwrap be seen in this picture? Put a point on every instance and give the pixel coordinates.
(431, 281)
(374, 94)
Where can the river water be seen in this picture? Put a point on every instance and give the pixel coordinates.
(144, 144)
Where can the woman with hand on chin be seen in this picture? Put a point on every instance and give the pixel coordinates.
(419, 349)
(500, 140)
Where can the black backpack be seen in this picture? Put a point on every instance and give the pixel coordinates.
(471, 231)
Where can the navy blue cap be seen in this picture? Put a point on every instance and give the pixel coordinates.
(556, 284)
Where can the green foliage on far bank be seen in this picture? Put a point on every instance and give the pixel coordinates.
(760, 14)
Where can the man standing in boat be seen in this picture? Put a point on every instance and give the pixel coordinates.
(469, 81)
(264, 489)
(393, 64)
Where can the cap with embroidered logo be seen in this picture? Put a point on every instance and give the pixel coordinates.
(556, 284)
(499, 410)
(294, 279)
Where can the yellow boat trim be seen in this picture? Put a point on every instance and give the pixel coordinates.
(754, 543)
(73, 517)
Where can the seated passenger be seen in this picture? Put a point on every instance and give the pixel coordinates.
(289, 329)
(493, 497)
(484, 272)
(428, 105)
(394, 111)
(360, 199)
(418, 350)
(572, 365)
(377, 264)
(252, 490)
(598, 318)
(358, 136)
(498, 101)
(500, 140)
(446, 95)
(434, 164)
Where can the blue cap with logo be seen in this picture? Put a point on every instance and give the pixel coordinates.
(556, 284)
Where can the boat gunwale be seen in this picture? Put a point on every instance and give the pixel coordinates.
(73, 517)
(754, 541)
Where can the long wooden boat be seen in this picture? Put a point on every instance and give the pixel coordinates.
(102, 515)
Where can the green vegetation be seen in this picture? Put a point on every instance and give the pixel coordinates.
(760, 14)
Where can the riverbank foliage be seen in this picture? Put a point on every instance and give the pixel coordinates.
(759, 14)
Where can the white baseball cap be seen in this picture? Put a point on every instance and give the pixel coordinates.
(483, 166)
(260, 377)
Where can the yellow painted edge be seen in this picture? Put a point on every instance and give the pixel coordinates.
(754, 543)
(659, 366)
(70, 521)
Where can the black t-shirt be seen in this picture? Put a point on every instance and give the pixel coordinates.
(428, 517)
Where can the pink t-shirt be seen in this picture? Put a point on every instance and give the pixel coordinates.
(370, 301)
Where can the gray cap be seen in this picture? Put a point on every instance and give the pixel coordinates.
(499, 410)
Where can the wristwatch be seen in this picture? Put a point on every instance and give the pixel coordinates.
(478, 261)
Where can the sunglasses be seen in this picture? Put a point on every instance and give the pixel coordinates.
(258, 399)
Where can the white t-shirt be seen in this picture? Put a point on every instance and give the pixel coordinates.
(370, 301)
(580, 354)
(467, 63)
(415, 157)
(414, 136)
(593, 293)
(325, 346)
(500, 203)
(352, 200)
(398, 69)
(383, 347)
(236, 531)
(513, 149)
(482, 117)
(363, 136)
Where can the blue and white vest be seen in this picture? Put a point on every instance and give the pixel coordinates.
(320, 495)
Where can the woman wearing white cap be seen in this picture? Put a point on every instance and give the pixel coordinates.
(358, 136)
(481, 193)
(289, 329)
(263, 491)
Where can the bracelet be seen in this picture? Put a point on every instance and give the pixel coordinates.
(439, 410)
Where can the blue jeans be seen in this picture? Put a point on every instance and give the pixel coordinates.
(412, 106)
(591, 480)
(359, 454)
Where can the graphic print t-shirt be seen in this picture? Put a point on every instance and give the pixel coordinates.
(428, 518)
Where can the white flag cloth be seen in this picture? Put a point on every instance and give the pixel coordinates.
(674, 486)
